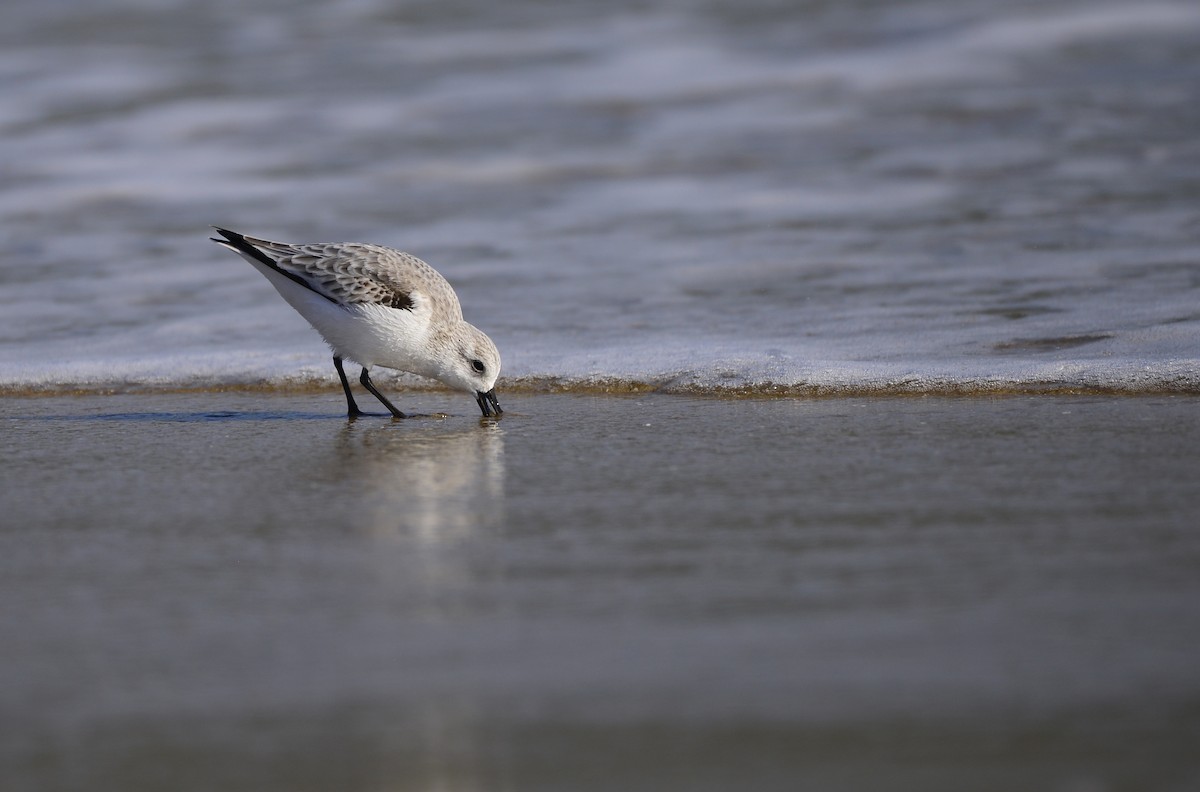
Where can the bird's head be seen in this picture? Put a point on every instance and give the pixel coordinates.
(474, 366)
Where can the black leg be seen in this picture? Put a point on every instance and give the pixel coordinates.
(365, 379)
(351, 407)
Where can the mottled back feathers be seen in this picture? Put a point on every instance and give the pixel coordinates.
(348, 273)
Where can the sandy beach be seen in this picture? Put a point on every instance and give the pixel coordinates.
(246, 591)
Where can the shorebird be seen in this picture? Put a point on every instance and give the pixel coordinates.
(377, 306)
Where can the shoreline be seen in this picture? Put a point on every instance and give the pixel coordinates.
(614, 386)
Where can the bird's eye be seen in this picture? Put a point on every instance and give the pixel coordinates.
(478, 366)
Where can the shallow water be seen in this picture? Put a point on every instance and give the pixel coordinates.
(248, 592)
(850, 196)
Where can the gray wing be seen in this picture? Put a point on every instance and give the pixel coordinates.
(348, 273)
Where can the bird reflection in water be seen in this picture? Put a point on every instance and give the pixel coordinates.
(435, 485)
(431, 506)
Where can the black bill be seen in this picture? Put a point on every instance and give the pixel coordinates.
(487, 403)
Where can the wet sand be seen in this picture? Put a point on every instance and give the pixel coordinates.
(247, 592)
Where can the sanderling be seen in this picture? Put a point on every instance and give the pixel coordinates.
(378, 307)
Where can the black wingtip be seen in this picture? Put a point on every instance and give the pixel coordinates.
(238, 242)
(230, 236)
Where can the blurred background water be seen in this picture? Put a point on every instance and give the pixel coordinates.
(696, 193)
